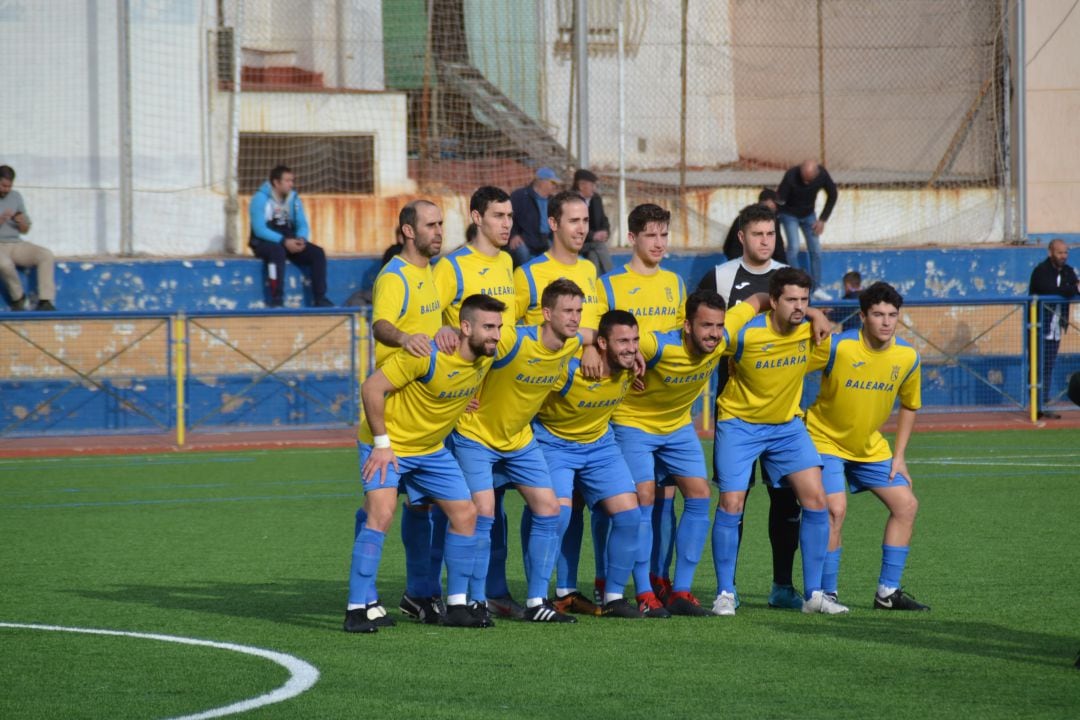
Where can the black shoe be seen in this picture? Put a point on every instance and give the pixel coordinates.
(378, 616)
(545, 613)
(460, 616)
(684, 603)
(421, 609)
(480, 610)
(356, 621)
(19, 304)
(45, 305)
(323, 302)
(899, 600)
(621, 608)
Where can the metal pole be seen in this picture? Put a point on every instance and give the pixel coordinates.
(123, 19)
(339, 41)
(621, 225)
(1021, 110)
(682, 103)
(821, 81)
(1011, 225)
(581, 52)
(232, 155)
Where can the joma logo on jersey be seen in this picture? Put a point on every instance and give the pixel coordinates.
(484, 271)
(533, 361)
(419, 284)
(635, 291)
(592, 387)
(766, 347)
(455, 373)
(858, 364)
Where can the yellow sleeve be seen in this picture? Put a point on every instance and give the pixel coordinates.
(819, 356)
(911, 389)
(737, 317)
(590, 310)
(648, 346)
(521, 293)
(402, 367)
(446, 285)
(388, 298)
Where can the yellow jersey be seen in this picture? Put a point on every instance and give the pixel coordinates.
(580, 410)
(674, 378)
(533, 277)
(859, 387)
(766, 385)
(405, 295)
(657, 302)
(466, 272)
(431, 394)
(523, 374)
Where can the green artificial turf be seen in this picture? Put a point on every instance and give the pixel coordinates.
(253, 548)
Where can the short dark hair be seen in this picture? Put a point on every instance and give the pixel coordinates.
(586, 175)
(471, 232)
(480, 302)
(278, 171)
(853, 276)
(612, 318)
(880, 292)
(755, 213)
(7, 173)
(486, 195)
(706, 297)
(556, 202)
(768, 194)
(407, 216)
(644, 214)
(788, 276)
(561, 287)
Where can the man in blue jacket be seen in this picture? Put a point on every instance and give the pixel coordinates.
(279, 230)
(530, 235)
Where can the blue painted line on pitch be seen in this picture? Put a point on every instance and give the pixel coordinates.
(178, 501)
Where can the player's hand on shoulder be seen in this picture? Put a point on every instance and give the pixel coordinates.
(377, 463)
(592, 365)
(446, 340)
(821, 327)
(418, 344)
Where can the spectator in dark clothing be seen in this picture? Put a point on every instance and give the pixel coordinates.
(848, 317)
(733, 249)
(798, 193)
(595, 249)
(1053, 276)
(530, 235)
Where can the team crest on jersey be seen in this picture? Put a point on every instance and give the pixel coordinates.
(667, 293)
(895, 374)
(802, 346)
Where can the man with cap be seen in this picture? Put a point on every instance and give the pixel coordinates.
(595, 249)
(531, 236)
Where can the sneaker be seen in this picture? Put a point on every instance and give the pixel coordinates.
(19, 304)
(356, 621)
(480, 610)
(598, 591)
(460, 616)
(662, 587)
(621, 608)
(44, 305)
(832, 596)
(507, 607)
(784, 597)
(576, 603)
(419, 608)
(376, 614)
(650, 606)
(323, 302)
(545, 613)
(899, 600)
(724, 604)
(821, 295)
(684, 603)
(819, 603)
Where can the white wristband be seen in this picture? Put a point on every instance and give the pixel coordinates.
(381, 442)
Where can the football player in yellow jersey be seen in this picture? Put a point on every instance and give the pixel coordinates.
(656, 436)
(495, 445)
(758, 418)
(480, 266)
(574, 432)
(864, 372)
(410, 406)
(657, 298)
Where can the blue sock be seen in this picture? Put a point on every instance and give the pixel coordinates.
(642, 584)
(460, 560)
(601, 527)
(622, 550)
(571, 528)
(893, 560)
(361, 518)
(525, 530)
(725, 549)
(831, 571)
(496, 577)
(814, 543)
(416, 537)
(663, 535)
(482, 559)
(366, 554)
(543, 545)
(690, 541)
(439, 525)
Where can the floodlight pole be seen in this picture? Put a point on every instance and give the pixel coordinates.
(620, 226)
(123, 20)
(581, 53)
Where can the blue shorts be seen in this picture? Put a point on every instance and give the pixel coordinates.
(423, 477)
(782, 449)
(597, 469)
(859, 475)
(655, 457)
(486, 469)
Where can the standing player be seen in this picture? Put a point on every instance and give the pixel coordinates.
(406, 313)
(735, 281)
(498, 439)
(401, 447)
(757, 417)
(657, 298)
(574, 432)
(864, 373)
(654, 431)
